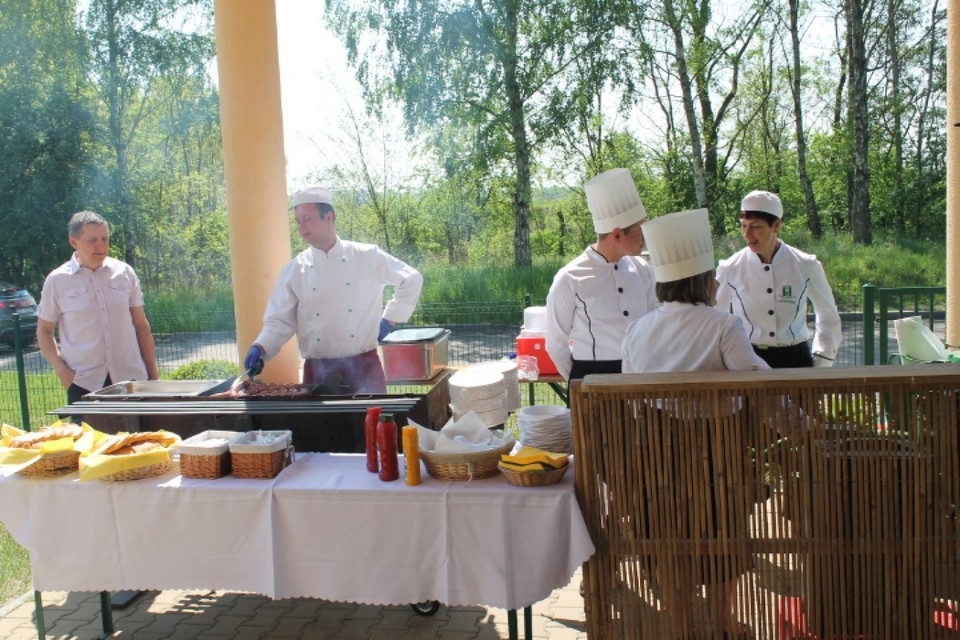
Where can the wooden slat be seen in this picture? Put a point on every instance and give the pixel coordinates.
(824, 499)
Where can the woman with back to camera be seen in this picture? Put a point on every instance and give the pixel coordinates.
(693, 335)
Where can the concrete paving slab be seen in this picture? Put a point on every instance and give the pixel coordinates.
(212, 615)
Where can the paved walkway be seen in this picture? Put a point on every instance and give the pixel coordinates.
(219, 615)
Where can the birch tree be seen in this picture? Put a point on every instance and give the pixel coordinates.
(488, 66)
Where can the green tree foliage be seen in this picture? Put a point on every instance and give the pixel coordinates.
(493, 68)
(44, 134)
(514, 104)
(141, 52)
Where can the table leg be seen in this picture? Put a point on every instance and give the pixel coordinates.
(106, 615)
(561, 390)
(512, 629)
(38, 611)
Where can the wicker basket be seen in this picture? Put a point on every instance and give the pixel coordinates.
(208, 462)
(251, 457)
(464, 466)
(148, 471)
(54, 464)
(260, 465)
(207, 467)
(534, 478)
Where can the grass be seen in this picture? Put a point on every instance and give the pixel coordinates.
(44, 392)
(15, 577)
(889, 262)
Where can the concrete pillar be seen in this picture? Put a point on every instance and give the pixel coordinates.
(252, 123)
(953, 174)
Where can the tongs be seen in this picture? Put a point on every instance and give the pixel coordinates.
(248, 376)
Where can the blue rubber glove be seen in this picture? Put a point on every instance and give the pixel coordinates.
(253, 363)
(385, 329)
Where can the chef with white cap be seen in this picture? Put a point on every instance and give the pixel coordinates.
(691, 334)
(768, 284)
(600, 292)
(331, 296)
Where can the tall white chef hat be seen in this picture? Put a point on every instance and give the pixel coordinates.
(764, 202)
(313, 194)
(613, 200)
(680, 244)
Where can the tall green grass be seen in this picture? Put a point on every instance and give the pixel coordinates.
(176, 310)
(489, 282)
(889, 262)
(44, 392)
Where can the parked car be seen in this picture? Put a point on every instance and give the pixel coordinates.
(17, 300)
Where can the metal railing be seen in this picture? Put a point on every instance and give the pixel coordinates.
(480, 331)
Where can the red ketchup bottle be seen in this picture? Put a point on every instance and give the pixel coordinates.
(370, 435)
(387, 445)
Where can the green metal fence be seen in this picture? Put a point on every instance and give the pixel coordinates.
(480, 331)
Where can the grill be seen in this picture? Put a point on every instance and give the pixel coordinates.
(318, 423)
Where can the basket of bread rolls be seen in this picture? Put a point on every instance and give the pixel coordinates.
(129, 456)
(52, 450)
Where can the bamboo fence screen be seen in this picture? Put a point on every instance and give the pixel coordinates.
(818, 503)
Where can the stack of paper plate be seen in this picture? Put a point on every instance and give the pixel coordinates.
(511, 381)
(480, 391)
(547, 427)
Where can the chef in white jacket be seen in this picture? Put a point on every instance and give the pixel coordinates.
(600, 292)
(768, 283)
(330, 296)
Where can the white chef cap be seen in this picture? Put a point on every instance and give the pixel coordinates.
(613, 200)
(680, 244)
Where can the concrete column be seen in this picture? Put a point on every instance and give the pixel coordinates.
(252, 123)
(953, 174)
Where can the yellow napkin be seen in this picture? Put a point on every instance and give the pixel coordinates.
(534, 459)
(98, 465)
(23, 458)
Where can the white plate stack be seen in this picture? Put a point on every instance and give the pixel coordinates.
(480, 391)
(511, 380)
(547, 427)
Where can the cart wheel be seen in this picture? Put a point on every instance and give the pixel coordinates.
(426, 608)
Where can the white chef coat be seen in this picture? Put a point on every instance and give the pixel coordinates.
(771, 299)
(92, 312)
(333, 300)
(590, 304)
(679, 336)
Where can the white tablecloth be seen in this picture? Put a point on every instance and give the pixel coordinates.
(324, 528)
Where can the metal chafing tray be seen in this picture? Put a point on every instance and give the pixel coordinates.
(154, 389)
(416, 354)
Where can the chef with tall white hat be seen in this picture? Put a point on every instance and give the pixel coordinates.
(690, 333)
(600, 292)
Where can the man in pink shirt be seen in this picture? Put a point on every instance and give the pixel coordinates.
(96, 303)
